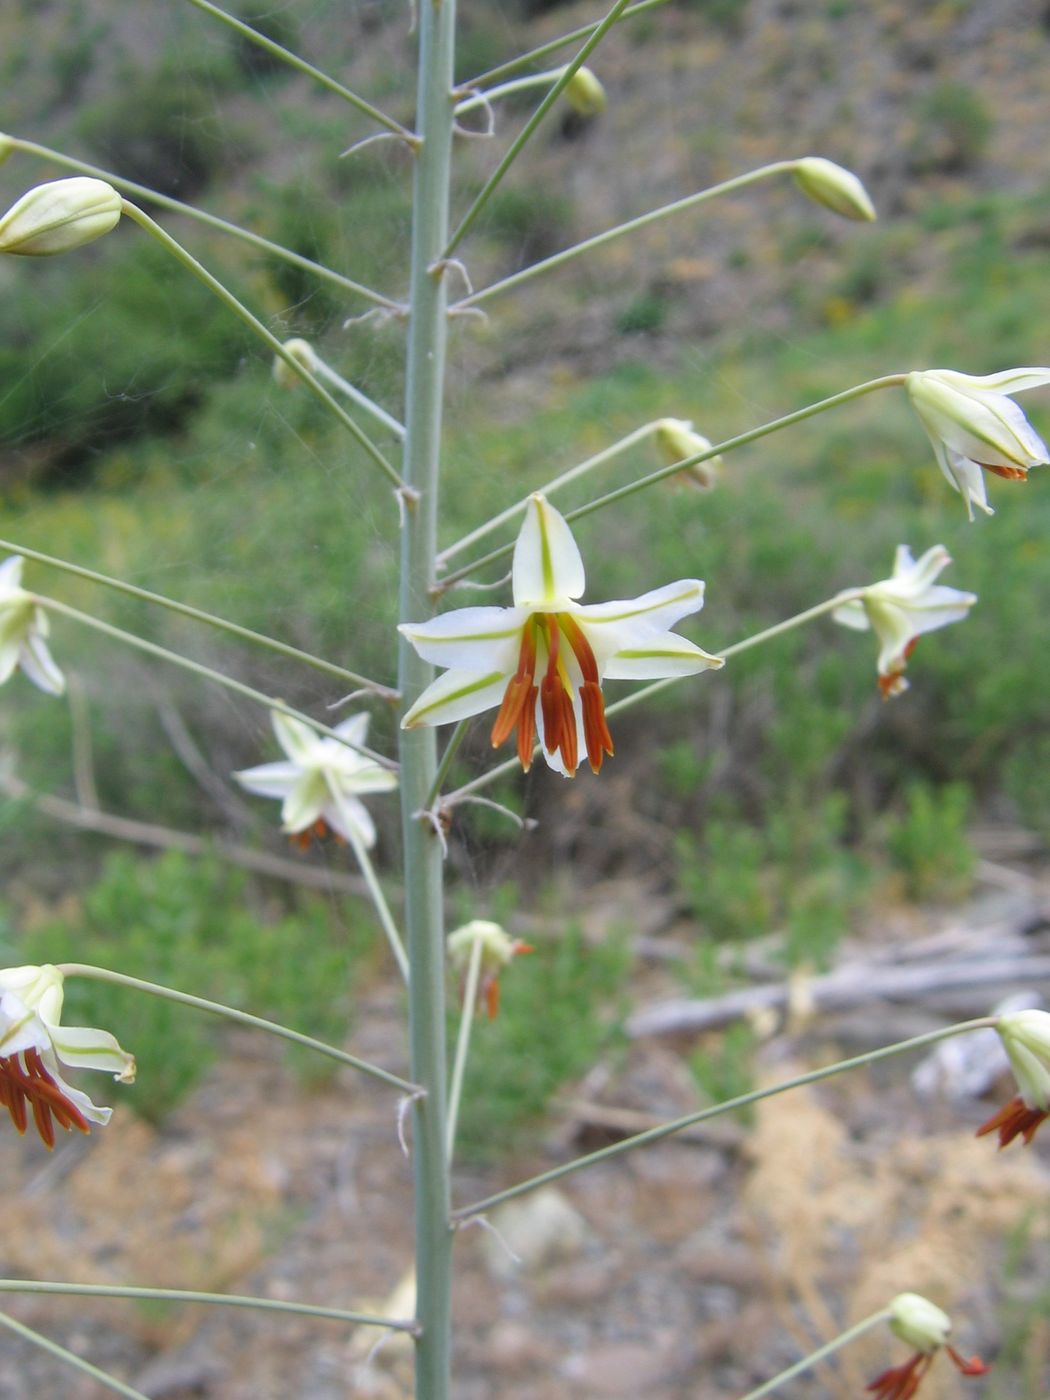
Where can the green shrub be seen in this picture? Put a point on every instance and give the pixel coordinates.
(574, 990)
(928, 842)
(953, 127)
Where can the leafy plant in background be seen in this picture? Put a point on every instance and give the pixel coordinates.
(540, 664)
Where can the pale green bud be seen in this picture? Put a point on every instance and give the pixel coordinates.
(59, 216)
(833, 186)
(919, 1323)
(678, 440)
(497, 946)
(585, 94)
(302, 352)
(6, 147)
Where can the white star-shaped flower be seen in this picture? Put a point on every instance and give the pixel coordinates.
(543, 660)
(321, 779)
(901, 608)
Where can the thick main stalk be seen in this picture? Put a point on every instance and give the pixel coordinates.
(424, 925)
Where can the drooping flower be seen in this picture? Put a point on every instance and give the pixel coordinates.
(23, 632)
(902, 607)
(320, 780)
(543, 660)
(837, 188)
(497, 950)
(922, 1325)
(1026, 1039)
(975, 427)
(678, 440)
(32, 1045)
(59, 216)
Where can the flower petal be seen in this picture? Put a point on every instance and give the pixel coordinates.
(852, 614)
(548, 567)
(305, 802)
(269, 779)
(354, 729)
(85, 1048)
(1007, 381)
(457, 695)
(11, 574)
(296, 738)
(39, 665)
(470, 639)
(666, 654)
(631, 618)
(347, 812)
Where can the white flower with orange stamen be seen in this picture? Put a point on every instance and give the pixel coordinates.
(32, 1045)
(975, 427)
(901, 608)
(319, 782)
(543, 660)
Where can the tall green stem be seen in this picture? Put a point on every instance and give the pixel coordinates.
(424, 915)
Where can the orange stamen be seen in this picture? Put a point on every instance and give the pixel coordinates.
(1014, 1119)
(520, 693)
(974, 1367)
(595, 730)
(23, 1079)
(1009, 473)
(901, 1382)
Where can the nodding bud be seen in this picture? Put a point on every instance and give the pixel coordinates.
(6, 147)
(585, 94)
(497, 946)
(302, 352)
(678, 440)
(59, 216)
(835, 187)
(919, 1323)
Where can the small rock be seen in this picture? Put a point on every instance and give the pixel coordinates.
(538, 1231)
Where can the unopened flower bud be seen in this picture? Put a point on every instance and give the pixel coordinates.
(919, 1323)
(302, 352)
(6, 147)
(497, 946)
(678, 441)
(833, 186)
(585, 94)
(59, 216)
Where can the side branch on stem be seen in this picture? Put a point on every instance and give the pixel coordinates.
(198, 668)
(176, 206)
(198, 615)
(273, 344)
(489, 188)
(515, 65)
(244, 1018)
(181, 1295)
(604, 1154)
(887, 381)
(301, 66)
(588, 245)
